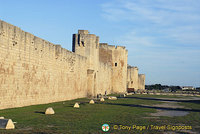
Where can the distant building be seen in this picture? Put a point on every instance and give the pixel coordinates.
(187, 88)
(166, 90)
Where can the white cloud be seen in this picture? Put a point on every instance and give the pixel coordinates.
(157, 11)
(175, 20)
(162, 37)
(132, 39)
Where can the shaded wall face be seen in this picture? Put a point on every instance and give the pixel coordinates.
(105, 55)
(34, 71)
(132, 78)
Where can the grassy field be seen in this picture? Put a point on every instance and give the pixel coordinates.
(90, 117)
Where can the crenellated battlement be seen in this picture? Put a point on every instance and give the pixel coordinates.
(120, 47)
(112, 47)
(132, 67)
(37, 44)
(103, 44)
(83, 32)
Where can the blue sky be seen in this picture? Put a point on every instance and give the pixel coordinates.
(162, 36)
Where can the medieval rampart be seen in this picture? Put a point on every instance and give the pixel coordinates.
(35, 71)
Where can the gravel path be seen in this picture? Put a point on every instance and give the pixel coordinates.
(172, 104)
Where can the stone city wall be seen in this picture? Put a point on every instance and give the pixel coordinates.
(105, 79)
(35, 71)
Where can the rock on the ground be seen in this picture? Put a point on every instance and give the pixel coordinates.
(112, 98)
(102, 99)
(6, 124)
(91, 102)
(49, 111)
(76, 105)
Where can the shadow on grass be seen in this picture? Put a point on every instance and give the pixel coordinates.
(39, 112)
(154, 107)
(157, 99)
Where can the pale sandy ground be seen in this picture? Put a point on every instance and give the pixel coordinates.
(171, 113)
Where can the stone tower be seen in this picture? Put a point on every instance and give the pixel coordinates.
(116, 56)
(141, 81)
(132, 77)
(119, 67)
(87, 45)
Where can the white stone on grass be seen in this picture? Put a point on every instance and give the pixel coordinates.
(112, 98)
(129, 93)
(76, 105)
(49, 111)
(102, 99)
(6, 124)
(91, 102)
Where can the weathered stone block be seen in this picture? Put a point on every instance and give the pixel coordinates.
(112, 98)
(49, 111)
(76, 105)
(130, 93)
(91, 102)
(102, 99)
(6, 124)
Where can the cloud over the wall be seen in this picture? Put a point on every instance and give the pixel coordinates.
(161, 36)
(178, 20)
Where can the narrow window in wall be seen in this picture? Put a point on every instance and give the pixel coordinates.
(115, 64)
(82, 42)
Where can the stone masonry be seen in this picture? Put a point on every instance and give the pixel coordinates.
(35, 71)
(134, 80)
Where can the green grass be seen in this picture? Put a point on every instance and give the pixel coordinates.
(90, 117)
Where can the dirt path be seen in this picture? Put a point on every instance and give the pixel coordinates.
(171, 107)
(169, 113)
(172, 104)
